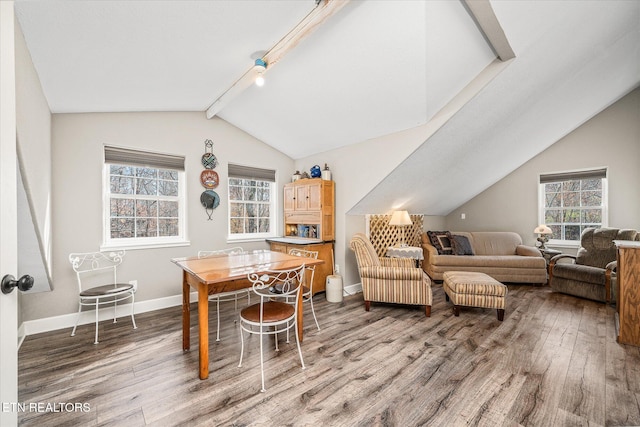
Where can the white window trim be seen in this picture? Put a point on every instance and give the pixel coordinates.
(142, 242)
(253, 237)
(573, 243)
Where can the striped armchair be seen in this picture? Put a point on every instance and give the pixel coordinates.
(394, 280)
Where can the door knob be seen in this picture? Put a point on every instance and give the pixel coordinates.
(9, 282)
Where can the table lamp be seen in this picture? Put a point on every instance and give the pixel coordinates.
(401, 219)
(543, 233)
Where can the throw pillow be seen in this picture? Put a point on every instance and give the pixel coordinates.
(461, 245)
(441, 240)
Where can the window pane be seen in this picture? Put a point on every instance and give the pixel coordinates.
(147, 187)
(121, 170)
(557, 230)
(263, 195)
(168, 174)
(552, 215)
(122, 228)
(264, 225)
(168, 188)
(553, 200)
(572, 232)
(236, 225)
(592, 184)
(168, 209)
(592, 216)
(571, 186)
(235, 181)
(235, 192)
(263, 211)
(237, 209)
(147, 172)
(168, 227)
(121, 207)
(553, 187)
(121, 185)
(249, 193)
(251, 210)
(571, 216)
(250, 225)
(146, 227)
(591, 198)
(571, 199)
(146, 208)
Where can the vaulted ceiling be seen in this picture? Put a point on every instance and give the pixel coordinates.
(372, 69)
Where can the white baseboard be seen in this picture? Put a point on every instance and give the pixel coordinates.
(31, 327)
(54, 323)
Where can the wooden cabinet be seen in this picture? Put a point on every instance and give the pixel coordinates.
(309, 209)
(628, 295)
(325, 253)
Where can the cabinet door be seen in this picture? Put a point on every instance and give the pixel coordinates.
(279, 247)
(301, 197)
(289, 197)
(314, 193)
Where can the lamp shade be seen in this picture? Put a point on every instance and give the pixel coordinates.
(542, 229)
(400, 218)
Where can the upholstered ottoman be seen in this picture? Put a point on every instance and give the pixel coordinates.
(473, 289)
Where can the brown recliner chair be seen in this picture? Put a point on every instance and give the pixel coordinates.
(592, 273)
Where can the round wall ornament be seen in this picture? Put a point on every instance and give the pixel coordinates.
(209, 179)
(209, 160)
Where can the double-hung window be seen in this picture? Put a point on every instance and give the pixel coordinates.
(573, 201)
(252, 202)
(144, 199)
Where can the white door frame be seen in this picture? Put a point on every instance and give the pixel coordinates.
(8, 217)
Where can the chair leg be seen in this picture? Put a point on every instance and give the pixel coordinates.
(218, 317)
(262, 359)
(115, 312)
(97, 303)
(241, 345)
(133, 319)
(313, 311)
(298, 344)
(73, 332)
(367, 305)
(428, 311)
(500, 314)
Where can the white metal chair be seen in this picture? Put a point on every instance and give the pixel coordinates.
(307, 292)
(98, 284)
(226, 296)
(270, 312)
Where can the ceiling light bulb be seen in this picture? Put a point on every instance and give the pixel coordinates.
(259, 80)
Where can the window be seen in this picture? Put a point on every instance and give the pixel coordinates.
(252, 202)
(573, 201)
(144, 203)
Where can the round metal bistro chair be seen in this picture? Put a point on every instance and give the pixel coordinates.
(226, 296)
(272, 315)
(98, 284)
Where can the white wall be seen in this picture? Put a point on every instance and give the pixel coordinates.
(611, 139)
(77, 149)
(33, 128)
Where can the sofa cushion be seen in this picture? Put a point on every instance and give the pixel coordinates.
(506, 261)
(461, 245)
(441, 240)
(579, 273)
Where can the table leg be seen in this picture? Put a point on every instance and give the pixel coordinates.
(186, 315)
(203, 330)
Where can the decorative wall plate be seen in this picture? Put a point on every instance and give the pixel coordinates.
(209, 199)
(209, 160)
(209, 179)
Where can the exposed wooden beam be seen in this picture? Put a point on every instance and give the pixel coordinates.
(324, 10)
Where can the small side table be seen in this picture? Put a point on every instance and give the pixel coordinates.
(406, 252)
(548, 253)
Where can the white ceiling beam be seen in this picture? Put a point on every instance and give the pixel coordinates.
(486, 19)
(324, 10)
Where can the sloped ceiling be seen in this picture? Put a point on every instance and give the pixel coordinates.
(375, 68)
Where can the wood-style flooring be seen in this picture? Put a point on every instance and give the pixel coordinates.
(554, 361)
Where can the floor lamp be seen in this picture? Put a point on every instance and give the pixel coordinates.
(401, 219)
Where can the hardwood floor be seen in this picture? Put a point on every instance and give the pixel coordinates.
(553, 361)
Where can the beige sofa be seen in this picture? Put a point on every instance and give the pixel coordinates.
(499, 254)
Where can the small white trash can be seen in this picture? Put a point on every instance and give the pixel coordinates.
(334, 288)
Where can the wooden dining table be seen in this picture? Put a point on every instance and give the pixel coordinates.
(223, 273)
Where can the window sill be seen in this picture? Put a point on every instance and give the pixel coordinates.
(564, 244)
(137, 245)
